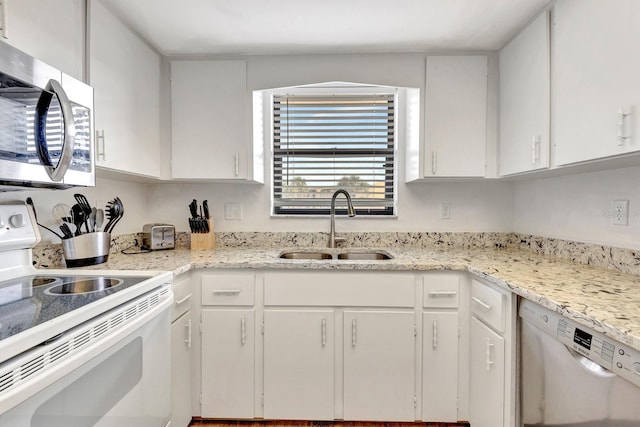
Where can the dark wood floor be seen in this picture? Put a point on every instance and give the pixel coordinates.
(218, 423)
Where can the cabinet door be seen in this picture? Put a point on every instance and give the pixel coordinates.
(524, 100)
(379, 366)
(440, 366)
(209, 120)
(228, 363)
(595, 75)
(455, 116)
(487, 365)
(181, 334)
(52, 31)
(125, 74)
(298, 364)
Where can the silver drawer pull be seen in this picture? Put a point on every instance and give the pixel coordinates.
(481, 303)
(223, 292)
(243, 330)
(182, 300)
(443, 293)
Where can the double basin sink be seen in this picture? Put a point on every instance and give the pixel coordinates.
(346, 256)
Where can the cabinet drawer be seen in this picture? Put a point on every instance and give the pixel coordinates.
(488, 304)
(441, 290)
(182, 296)
(228, 289)
(340, 289)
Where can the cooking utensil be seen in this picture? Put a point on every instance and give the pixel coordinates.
(86, 207)
(115, 211)
(79, 217)
(29, 202)
(99, 221)
(61, 213)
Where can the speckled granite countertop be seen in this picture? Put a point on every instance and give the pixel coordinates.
(606, 300)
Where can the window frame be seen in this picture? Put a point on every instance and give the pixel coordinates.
(336, 89)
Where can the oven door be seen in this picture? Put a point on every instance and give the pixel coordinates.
(121, 378)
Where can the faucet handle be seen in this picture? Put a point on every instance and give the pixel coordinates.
(338, 240)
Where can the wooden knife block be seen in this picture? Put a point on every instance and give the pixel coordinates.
(203, 241)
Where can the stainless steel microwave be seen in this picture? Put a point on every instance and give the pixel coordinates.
(46, 125)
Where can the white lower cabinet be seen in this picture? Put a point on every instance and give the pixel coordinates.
(365, 346)
(487, 376)
(440, 346)
(181, 335)
(228, 363)
(228, 336)
(440, 366)
(492, 357)
(181, 351)
(379, 366)
(298, 364)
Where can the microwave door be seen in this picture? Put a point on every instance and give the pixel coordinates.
(65, 134)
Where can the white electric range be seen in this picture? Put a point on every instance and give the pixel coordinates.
(100, 338)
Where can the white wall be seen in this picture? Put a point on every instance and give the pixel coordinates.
(481, 206)
(578, 207)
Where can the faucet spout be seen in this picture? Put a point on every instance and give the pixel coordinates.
(350, 211)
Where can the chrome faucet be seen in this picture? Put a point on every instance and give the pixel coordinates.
(350, 211)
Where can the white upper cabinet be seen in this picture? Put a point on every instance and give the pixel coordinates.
(210, 120)
(52, 31)
(524, 100)
(455, 116)
(125, 74)
(595, 79)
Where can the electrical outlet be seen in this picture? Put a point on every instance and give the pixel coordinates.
(445, 210)
(620, 212)
(233, 211)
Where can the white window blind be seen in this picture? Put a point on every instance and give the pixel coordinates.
(322, 143)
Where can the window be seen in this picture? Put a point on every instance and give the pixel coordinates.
(326, 142)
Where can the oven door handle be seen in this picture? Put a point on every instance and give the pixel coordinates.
(56, 173)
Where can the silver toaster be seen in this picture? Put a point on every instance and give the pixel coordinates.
(158, 236)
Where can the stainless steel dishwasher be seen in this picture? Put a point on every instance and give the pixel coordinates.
(573, 376)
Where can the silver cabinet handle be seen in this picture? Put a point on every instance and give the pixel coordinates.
(56, 173)
(183, 300)
(188, 340)
(354, 332)
(489, 361)
(434, 163)
(227, 292)
(237, 164)
(323, 329)
(243, 330)
(100, 141)
(436, 294)
(535, 149)
(481, 303)
(5, 18)
(435, 334)
(622, 115)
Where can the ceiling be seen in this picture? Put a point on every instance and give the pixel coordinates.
(195, 27)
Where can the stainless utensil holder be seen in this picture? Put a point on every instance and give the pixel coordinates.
(87, 249)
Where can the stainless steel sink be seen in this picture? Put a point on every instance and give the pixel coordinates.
(306, 255)
(345, 256)
(364, 256)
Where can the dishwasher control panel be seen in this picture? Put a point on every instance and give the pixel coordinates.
(610, 354)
